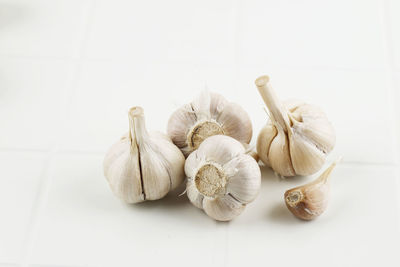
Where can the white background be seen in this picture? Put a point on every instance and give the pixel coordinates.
(70, 70)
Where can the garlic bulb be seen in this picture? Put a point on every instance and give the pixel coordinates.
(143, 166)
(222, 179)
(310, 200)
(210, 114)
(297, 138)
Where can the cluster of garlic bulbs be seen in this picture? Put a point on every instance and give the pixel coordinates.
(222, 172)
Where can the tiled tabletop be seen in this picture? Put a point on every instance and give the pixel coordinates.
(70, 70)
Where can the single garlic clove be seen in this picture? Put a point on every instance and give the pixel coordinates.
(264, 141)
(279, 155)
(143, 166)
(305, 156)
(310, 200)
(224, 208)
(235, 123)
(222, 178)
(319, 130)
(193, 195)
(223, 150)
(116, 150)
(178, 125)
(243, 183)
(297, 138)
(157, 182)
(217, 103)
(122, 170)
(209, 114)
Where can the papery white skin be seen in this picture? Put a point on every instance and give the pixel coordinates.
(241, 170)
(208, 107)
(143, 166)
(309, 201)
(298, 136)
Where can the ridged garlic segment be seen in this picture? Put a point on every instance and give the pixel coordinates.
(222, 179)
(143, 166)
(210, 114)
(297, 138)
(309, 201)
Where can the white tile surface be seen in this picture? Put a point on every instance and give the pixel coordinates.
(42, 28)
(396, 97)
(84, 224)
(107, 89)
(81, 213)
(8, 265)
(159, 31)
(69, 71)
(33, 95)
(311, 33)
(343, 236)
(19, 184)
(393, 20)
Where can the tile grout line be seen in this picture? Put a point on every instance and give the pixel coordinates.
(224, 229)
(41, 196)
(9, 264)
(226, 248)
(38, 204)
(44, 185)
(56, 265)
(97, 152)
(24, 150)
(184, 63)
(237, 34)
(391, 80)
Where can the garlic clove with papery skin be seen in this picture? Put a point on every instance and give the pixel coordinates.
(209, 114)
(310, 200)
(222, 178)
(143, 166)
(298, 136)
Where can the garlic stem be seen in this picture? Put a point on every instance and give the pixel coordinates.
(137, 128)
(274, 105)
